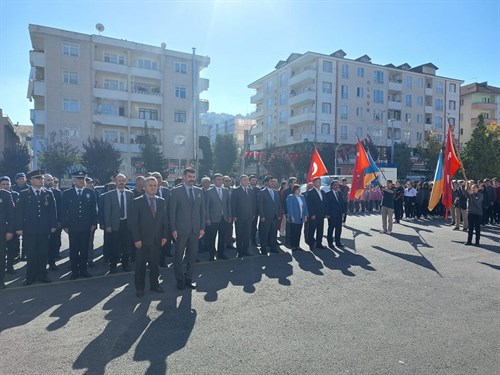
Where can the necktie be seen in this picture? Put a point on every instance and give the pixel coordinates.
(220, 193)
(122, 205)
(336, 197)
(152, 206)
(191, 193)
(37, 193)
(246, 191)
(79, 193)
(272, 194)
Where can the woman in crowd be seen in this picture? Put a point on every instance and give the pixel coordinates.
(409, 200)
(297, 215)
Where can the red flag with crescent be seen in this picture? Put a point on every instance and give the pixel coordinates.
(450, 167)
(317, 168)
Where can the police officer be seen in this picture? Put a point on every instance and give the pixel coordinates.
(35, 220)
(13, 243)
(78, 220)
(55, 238)
(6, 227)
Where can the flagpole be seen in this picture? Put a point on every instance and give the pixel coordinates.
(374, 175)
(450, 126)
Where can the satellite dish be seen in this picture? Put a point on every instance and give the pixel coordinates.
(163, 45)
(99, 27)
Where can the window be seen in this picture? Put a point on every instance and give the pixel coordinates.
(420, 100)
(360, 92)
(71, 132)
(343, 132)
(452, 88)
(327, 87)
(109, 109)
(113, 84)
(283, 98)
(180, 92)
(269, 103)
(344, 112)
(269, 86)
(180, 67)
(359, 112)
(407, 136)
(439, 87)
(269, 121)
(420, 82)
(378, 96)
(71, 105)
(378, 115)
(282, 117)
(438, 122)
(148, 114)
(409, 82)
(408, 100)
(114, 136)
(70, 78)
(325, 128)
(359, 132)
(376, 132)
(283, 79)
(147, 64)
(180, 116)
(408, 118)
(344, 92)
(327, 66)
(113, 58)
(419, 136)
(71, 49)
(452, 105)
(282, 135)
(438, 104)
(326, 108)
(451, 121)
(345, 71)
(378, 76)
(361, 72)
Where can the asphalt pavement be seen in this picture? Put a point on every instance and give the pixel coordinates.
(414, 302)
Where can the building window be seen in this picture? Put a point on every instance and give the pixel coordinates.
(113, 84)
(359, 132)
(71, 49)
(71, 132)
(420, 82)
(408, 100)
(438, 122)
(438, 104)
(114, 136)
(70, 78)
(269, 86)
(419, 136)
(327, 66)
(180, 67)
(148, 114)
(420, 100)
(344, 112)
(282, 117)
(359, 112)
(408, 118)
(269, 121)
(327, 87)
(345, 71)
(407, 136)
(325, 128)
(113, 58)
(344, 92)
(180, 92)
(283, 79)
(283, 98)
(452, 88)
(326, 108)
(147, 64)
(378, 76)
(71, 105)
(180, 116)
(376, 132)
(439, 87)
(409, 82)
(378, 115)
(360, 92)
(361, 72)
(378, 96)
(451, 121)
(452, 105)
(343, 132)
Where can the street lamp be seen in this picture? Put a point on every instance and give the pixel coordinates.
(336, 149)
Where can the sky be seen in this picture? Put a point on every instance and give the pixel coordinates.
(246, 39)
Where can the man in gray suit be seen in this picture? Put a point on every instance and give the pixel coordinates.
(269, 211)
(187, 220)
(117, 208)
(218, 217)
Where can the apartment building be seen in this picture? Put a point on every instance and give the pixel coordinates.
(329, 98)
(475, 99)
(94, 86)
(8, 136)
(237, 126)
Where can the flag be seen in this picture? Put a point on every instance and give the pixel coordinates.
(372, 172)
(450, 167)
(437, 187)
(317, 168)
(358, 174)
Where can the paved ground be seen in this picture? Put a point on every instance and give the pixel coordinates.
(415, 302)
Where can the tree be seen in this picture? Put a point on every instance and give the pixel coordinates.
(57, 157)
(151, 153)
(15, 159)
(481, 155)
(371, 148)
(402, 157)
(225, 152)
(207, 163)
(101, 159)
(279, 165)
(429, 151)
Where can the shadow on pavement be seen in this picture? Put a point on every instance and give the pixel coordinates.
(494, 266)
(418, 260)
(342, 260)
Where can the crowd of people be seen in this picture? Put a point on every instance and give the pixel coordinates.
(151, 222)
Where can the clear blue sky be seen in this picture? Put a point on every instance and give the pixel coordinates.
(245, 39)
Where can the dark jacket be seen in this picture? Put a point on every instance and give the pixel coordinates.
(269, 208)
(143, 226)
(36, 215)
(78, 214)
(243, 205)
(7, 213)
(315, 205)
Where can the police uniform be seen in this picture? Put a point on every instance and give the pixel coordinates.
(36, 218)
(6, 226)
(14, 244)
(78, 218)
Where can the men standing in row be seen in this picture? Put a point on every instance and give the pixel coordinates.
(35, 220)
(187, 219)
(7, 215)
(117, 206)
(315, 199)
(78, 220)
(334, 212)
(269, 212)
(55, 238)
(243, 210)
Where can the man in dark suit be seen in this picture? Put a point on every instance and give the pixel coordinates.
(35, 220)
(253, 185)
(218, 217)
(106, 244)
(12, 243)
(315, 200)
(335, 206)
(269, 212)
(243, 211)
(148, 224)
(228, 184)
(55, 238)
(78, 220)
(117, 206)
(164, 192)
(187, 220)
(7, 216)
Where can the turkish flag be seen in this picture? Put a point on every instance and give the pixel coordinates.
(358, 174)
(317, 168)
(450, 167)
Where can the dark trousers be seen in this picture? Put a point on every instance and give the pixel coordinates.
(295, 230)
(315, 227)
(90, 257)
(243, 233)
(334, 225)
(36, 247)
(151, 256)
(107, 245)
(186, 251)
(212, 231)
(3, 248)
(254, 232)
(79, 250)
(410, 207)
(398, 210)
(268, 233)
(287, 233)
(166, 251)
(474, 226)
(121, 243)
(12, 250)
(229, 235)
(54, 245)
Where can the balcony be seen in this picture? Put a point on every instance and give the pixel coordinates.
(302, 118)
(394, 104)
(37, 58)
(302, 78)
(394, 123)
(325, 138)
(428, 126)
(203, 106)
(257, 97)
(428, 109)
(110, 94)
(141, 72)
(487, 121)
(37, 116)
(257, 147)
(395, 85)
(110, 67)
(257, 130)
(128, 148)
(152, 124)
(428, 91)
(257, 114)
(100, 119)
(202, 84)
(302, 98)
(484, 106)
(146, 97)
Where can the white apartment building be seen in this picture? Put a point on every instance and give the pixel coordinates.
(95, 86)
(476, 99)
(332, 99)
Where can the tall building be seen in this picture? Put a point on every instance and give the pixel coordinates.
(329, 98)
(8, 136)
(237, 126)
(95, 86)
(476, 99)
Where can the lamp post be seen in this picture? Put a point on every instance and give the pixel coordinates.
(336, 149)
(392, 139)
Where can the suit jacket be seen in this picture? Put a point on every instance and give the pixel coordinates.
(36, 215)
(144, 226)
(243, 205)
(185, 215)
(334, 207)
(100, 208)
(293, 209)
(57, 196)
(78, 213)
(269, 208)
(7, 212)
(284, 198)
(315, 205)
(216, 208)
(112, 208)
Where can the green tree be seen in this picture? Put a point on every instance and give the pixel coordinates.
(207, 163)
(15, 159)
(402, 157)
(429, 150)
(151, 153)
(371, 148)
(101, 159)
(481, 155)
(279, 165)
(225, 153)
(57, 156)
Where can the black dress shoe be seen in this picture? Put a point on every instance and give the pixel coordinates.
(181, 285)
(90, 264)
(58, 257)
(53, 267)
(28, 282)
(340, 245)
(113, 270)
(2, 286)
(126, 269)
(73, 276)
(86, 275)
(331, 245)
(468, 244)
(139, 293)
(245, 254)
(11, 270)
(157, 289)
(222, 256)
(320, 247)
(45, 280)
(230, 247)
(311, 248)
(211, 258)
(190, 284)
(276, 251)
